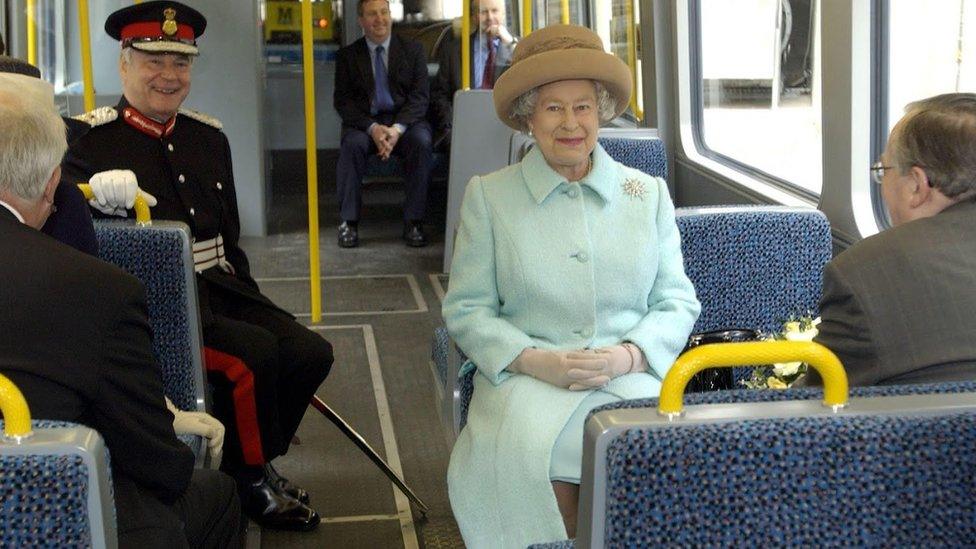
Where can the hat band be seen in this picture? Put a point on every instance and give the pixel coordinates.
(556, 43)
(150, 31)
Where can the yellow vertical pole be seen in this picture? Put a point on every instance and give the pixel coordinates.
(632, 61)
(86, 58)
(466, 45)
(564, 12)
(311, 165)
(526, 17)
(32, 32)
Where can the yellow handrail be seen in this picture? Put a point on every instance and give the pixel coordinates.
(32, 32)
(526, 17)
(16, 413)
(465, 44)
(86, 57)
(632, 59)
(564, 12)
(311, 163)
(141, 206)
(817, 356)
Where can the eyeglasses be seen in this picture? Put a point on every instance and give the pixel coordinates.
(878, 171)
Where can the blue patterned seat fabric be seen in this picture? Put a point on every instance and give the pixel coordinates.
(879, 480)
(754, 267)
(646, 155)
(155, 257)
(44, 498)
(439, 345)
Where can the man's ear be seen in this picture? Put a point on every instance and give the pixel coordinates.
(922, 187)
(52, 185)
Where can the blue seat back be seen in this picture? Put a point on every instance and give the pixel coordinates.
(754, 266)
(56, 490)
(160, 256)
(894, 468)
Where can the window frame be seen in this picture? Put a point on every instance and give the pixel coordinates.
(697, 100)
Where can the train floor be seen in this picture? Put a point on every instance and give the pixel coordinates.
(381, 302)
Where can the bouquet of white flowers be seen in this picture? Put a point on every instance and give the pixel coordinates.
(785, 374)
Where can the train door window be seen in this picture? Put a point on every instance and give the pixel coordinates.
(931, 50)
(616, 23)
(757, 87)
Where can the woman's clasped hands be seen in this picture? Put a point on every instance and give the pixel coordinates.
(580, 370)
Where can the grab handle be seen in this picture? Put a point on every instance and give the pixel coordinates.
(715, 355)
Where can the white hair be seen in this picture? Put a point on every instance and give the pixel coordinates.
(126, 55)
(32, 141)
(524, 105)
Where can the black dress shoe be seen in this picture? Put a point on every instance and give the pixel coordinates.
(348, 235)
(285, 486)
(413, 235)
(263, 504)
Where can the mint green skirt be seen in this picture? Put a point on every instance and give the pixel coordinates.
(567, 454)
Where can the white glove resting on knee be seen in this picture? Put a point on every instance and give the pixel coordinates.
(202, 424)
(115, 191)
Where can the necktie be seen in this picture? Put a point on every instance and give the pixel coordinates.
(383, 100)
(488, 76)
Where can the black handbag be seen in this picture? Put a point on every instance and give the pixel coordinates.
(715, 379)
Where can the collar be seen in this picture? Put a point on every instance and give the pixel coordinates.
(13, 211)
(372, 45)
(542, 180)
(143, 123)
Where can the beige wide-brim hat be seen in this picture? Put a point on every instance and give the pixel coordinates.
(560, 52)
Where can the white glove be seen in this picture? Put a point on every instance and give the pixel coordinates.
(115, 191)
(620, 359)
(202, 424)
(574, 370)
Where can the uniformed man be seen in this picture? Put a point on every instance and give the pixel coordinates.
(264, 366)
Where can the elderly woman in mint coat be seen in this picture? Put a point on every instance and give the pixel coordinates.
(567, 292)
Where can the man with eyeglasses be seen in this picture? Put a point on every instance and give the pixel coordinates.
(897, 307)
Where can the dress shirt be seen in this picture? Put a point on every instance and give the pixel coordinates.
(12, 210)
(480, 55)
(386, 63)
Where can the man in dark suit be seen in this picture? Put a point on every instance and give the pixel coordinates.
(76, 341)
(491, 54)
(263, 364)
(70, 220)
(897, 307)
(381, 94)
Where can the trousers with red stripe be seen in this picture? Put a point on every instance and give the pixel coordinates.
(264, 368)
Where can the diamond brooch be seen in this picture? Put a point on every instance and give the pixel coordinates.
(634, 188)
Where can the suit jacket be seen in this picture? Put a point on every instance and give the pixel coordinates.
(448, 80)
(75, 338)
(896, 306)
(191, 175)
(355, 87)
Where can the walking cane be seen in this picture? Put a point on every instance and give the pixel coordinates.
(364, 446)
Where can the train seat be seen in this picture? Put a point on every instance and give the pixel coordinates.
(892, 468)
(160, 256)
(56, 489)
(752, 268)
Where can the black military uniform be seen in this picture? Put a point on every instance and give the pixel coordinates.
(264, 366)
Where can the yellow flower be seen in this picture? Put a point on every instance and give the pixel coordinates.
(774, 382)
(786, 369)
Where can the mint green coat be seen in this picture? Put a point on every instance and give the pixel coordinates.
(540, 262)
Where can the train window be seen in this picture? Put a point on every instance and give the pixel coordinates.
(944, 61)
(759, 106)
(615, 22)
